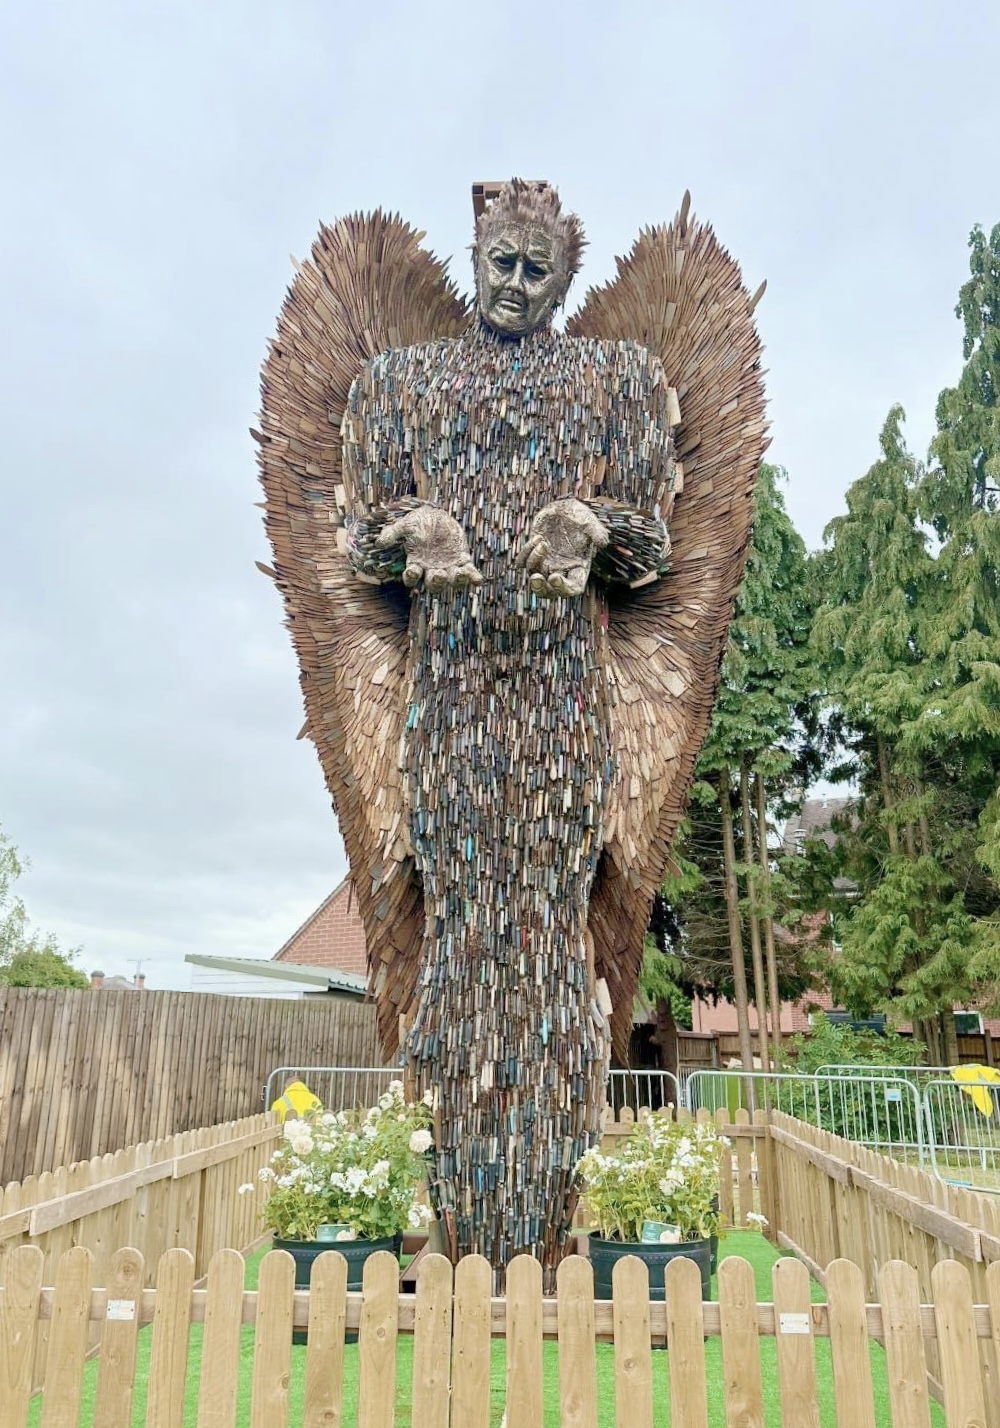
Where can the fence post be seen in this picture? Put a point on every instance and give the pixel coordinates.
(767, 1176)
(577, 1360)
(633, 1360)
(959, 1350)
(432, 1343)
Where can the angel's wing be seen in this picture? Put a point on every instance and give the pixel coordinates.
(680, 294)
(368, 286)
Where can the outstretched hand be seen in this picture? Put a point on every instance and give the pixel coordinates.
(436, 550)
(563, 539)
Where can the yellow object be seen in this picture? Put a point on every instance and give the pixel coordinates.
(297, 1100)
(981, 1097)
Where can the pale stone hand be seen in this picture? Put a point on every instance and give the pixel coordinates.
(563, 539)
(436, 550)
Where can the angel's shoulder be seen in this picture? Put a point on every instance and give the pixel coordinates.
(622, 358)
(391, 370)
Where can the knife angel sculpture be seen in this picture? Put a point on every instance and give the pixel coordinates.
(508, 555)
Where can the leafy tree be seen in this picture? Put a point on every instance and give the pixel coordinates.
(41, 967)
(27, 958)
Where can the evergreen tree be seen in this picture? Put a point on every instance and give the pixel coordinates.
(759, 733)
(909, 638)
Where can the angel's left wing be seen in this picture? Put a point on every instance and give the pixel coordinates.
(680, 295)
(368, 286)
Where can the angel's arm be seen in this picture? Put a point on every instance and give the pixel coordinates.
(619, 535)
(393, 534)
(637, 494)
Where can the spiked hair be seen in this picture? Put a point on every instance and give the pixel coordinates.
(521, 203)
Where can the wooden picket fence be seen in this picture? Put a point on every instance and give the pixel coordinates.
(453, 1319)
(179, 1192)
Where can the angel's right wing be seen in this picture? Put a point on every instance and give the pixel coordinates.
(368, 287)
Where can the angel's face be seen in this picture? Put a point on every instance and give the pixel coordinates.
(520, 278)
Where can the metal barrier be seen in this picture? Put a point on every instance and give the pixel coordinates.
(918, 1074)
(635, 1089)
(963, 1132)
(340, 1088)
(346, 1087)
(881, 1112)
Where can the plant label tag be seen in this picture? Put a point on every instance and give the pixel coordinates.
(793, 1323)
(121, 1309)
(894, 1096)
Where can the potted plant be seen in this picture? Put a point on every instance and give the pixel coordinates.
(656, 1197)
(348, 1180)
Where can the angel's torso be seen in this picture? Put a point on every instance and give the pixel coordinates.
(496, 429)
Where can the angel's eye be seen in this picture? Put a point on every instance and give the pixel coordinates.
(504, 260)
(532, 270)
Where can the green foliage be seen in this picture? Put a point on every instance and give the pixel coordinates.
(27, 958)
(666, 1171)
(908, 638)
(41, 967)
(836, 1044)
(766, 714)
(355, 1168)
(658, 983)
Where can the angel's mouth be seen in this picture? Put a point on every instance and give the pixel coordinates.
(510, 302)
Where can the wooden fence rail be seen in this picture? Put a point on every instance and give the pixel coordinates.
(83, 1073)
(453, 1318)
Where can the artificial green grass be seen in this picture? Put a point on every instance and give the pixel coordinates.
(752, 1247)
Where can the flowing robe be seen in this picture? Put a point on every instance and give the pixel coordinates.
(506, 753)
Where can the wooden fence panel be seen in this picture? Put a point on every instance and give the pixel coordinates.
(116, 1369)
(87, 1072)
(470, 1388)
(272, 1358)
(904, 1348)
(18, 1325)
(744, 1393)
(381, 1312)
(686, 1341)
(633, 1360)
(577, 1365)
(220, 1374)
(524, 1342)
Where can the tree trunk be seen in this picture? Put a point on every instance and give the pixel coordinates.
(949, 1038)
(887, 798)
(768, 917)
(759, 993)
(733, 919)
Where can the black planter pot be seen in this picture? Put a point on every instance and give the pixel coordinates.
(356, 1252)
(605, 1254)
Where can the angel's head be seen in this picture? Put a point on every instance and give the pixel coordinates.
(527, 252)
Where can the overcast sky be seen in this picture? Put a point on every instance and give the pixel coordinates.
(160, 163)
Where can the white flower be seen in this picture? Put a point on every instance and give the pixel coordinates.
(395, 1088)
(419, 1215)
(354, 1179)
(428, 1098)
(754, 1219)
(385, 1102)
(421, 1141)
(266, 1173)
(245, 1190)
(381, 1167)
(302, 1144)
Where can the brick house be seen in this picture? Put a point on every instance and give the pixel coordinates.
(332, 936)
